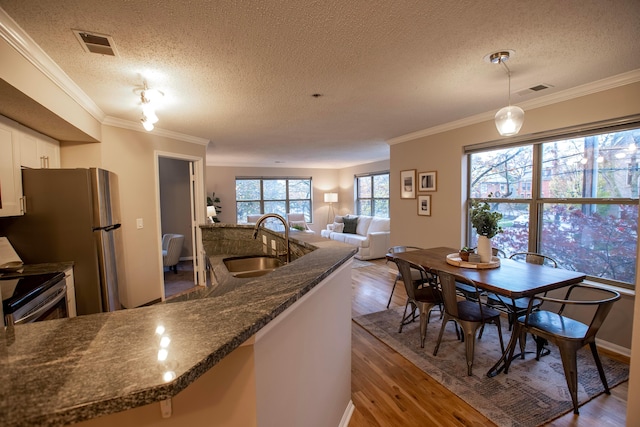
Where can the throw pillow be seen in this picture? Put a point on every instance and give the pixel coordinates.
(338, 227)
(350, 225)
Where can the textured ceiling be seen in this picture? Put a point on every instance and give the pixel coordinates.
(241, 73)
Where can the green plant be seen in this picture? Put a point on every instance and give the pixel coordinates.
(484, 220)
(214, 201)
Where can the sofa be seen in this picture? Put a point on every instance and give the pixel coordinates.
(369, 233)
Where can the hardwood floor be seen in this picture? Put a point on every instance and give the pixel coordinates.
(388, 390)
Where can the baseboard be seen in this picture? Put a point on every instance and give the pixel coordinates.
(613, 348)
(346, 417)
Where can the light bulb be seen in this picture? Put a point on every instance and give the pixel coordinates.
(509, 120)
(149, 113)
(148, 126)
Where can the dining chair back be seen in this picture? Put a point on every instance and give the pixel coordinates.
(568, 334)
(515, 307)
(534, 258)
(422, 295)
(414, 273)
(469, 314)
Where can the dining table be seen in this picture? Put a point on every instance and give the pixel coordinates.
(505, 277)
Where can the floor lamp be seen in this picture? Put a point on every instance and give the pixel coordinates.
(330, 198)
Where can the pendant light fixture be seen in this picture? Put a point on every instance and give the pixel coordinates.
(148, 99)
(508, 119)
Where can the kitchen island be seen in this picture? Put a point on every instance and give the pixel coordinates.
(264, 341)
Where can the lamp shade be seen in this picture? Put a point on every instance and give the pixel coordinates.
(509, 120)
(211, 211)
(330, 197)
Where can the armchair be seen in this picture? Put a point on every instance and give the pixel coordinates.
(297, 219)
(171, 249)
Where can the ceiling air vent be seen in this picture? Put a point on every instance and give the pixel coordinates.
(96, 43)
(532, 89)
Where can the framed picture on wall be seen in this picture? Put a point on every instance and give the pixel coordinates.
(427, 181)
(408, 184)
(424, 205)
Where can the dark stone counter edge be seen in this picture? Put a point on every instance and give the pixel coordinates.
(162, 392)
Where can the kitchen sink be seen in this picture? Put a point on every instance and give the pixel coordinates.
(251, 266)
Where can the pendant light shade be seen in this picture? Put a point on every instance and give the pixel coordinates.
(509, 120)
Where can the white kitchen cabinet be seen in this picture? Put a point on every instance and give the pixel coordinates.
(10, 176)
(38, 151)
(71, 292)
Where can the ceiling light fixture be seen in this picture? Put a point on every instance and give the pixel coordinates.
(508, 119)
(149, 99)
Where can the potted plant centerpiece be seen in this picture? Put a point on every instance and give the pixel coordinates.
(464, 253)
(486, 224)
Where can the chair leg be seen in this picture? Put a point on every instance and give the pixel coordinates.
(603, 378)
(570, 365)
(404, 316)
(395, 282)
(444, 323)
(470, 341)
(425, 312)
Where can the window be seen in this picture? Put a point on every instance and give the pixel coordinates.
(372, 194)
(255, 196)
(574, 199)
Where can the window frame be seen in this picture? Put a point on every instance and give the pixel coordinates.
(372, 199)
(536, 202)
(287, 200)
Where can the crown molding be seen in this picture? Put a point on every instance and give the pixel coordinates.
(136, 126)
(565, 95)
(17, 38)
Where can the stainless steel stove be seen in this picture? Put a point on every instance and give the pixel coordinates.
(32, 298)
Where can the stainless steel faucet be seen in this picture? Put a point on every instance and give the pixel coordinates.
(286, 230)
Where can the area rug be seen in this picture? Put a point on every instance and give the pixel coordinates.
(531, 394)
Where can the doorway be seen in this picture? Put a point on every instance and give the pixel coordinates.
(179, 213)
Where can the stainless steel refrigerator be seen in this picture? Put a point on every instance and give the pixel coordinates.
(74, 215)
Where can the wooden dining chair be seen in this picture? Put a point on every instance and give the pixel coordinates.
(422, 295)
(568, 334)
(518, 306)
(415, 274)
(469, 314)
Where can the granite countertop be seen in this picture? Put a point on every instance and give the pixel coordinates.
(63, 371)
(30, 269)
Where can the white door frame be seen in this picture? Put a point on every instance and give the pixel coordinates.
(197, 217)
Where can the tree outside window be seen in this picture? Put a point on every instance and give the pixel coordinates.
(573, 199)
(372, 195)
(256, 196)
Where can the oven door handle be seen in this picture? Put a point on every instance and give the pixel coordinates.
(51, 303)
